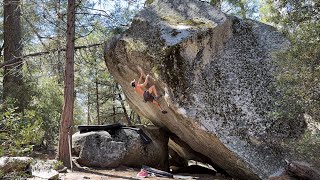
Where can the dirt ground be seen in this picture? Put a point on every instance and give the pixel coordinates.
(125, 173)
(117, 173)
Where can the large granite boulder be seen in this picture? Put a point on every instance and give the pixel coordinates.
(121, 147)
(216, 74)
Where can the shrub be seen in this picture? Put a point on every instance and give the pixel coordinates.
(19, 132)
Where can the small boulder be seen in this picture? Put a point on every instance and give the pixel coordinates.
(44, 169)
(14, 164)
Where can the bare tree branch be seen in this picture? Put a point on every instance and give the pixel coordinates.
(8, 63)
(34, 30)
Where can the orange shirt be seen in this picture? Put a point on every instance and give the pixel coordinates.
(139, 89)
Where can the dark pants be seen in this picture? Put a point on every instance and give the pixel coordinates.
(147, 96)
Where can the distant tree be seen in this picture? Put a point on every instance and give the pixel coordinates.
(68, 105)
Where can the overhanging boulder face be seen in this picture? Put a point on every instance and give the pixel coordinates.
(215, 72)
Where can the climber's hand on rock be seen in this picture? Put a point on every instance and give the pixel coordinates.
(141, 71)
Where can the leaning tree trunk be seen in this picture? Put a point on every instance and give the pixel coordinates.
(123, 107)
(12, 81)
(67, 113)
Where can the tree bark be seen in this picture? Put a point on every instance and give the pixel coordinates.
(302, 170)
(123, 107)
(139, 119)
(113, 104)
(132, 119)
(12, 80)
(67, 113)
(97, 100)
(89, 116)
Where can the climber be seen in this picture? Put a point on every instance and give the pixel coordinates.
(149, 95)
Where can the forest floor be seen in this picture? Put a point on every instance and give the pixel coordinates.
(116, 173)
(125, 173)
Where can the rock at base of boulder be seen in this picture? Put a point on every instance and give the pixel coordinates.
(154, 154)
(122, 147)
(99, 150)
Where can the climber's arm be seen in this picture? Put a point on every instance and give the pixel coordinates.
(145, 81)
(140, 78)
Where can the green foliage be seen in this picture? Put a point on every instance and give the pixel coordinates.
(298, 76)
(307, 146)
(298, 68)
(20, 96)
(57, 165)
(42, 94)
(20, 132)
(214, 2)
(268, 13)
(149, 2)
(241, 8)
(16, 175)
(48, 105)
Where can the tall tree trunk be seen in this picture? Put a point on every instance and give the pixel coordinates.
(89, 116)
(131, 113)
(139, 119)
(123, 107)
(113, 104)
(132, 119)
(97, 101)
(12, 81)
(67, 113)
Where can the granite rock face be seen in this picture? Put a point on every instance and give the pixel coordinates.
(216, 74)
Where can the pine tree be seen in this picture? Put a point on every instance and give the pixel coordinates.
(67, 113)
(12, 81)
